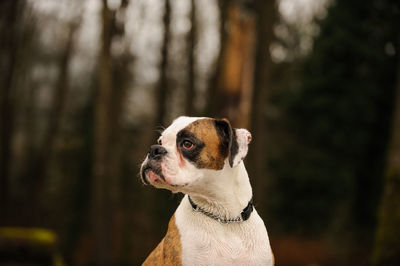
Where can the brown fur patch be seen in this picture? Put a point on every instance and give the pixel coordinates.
(169, 251)
(273, 258)
(212, 155)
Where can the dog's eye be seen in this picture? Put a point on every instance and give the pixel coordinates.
(159, 142)
(187, 145)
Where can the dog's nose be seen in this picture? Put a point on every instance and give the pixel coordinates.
(156, 152)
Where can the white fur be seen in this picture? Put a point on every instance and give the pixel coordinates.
(174, 174)
(243, 137)
(223, 192)
(208, 242)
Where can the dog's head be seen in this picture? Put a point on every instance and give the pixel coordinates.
(194, 150)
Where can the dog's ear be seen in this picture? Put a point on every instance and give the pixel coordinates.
(235, 140)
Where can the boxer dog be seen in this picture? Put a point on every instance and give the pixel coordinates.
(215, 223)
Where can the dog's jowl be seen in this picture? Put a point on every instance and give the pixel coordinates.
(216, 223)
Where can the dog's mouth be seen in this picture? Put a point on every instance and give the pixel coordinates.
(151, 174)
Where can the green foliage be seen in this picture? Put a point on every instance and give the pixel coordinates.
(338, 120)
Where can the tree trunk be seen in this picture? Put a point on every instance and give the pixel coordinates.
(191, 90)
(9, 16)
(266, 17)
(112, 76)
(101, 216)
(211, 106)
(231, 97)
(163, 88)
(387, 243)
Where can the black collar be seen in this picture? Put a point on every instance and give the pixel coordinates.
(244, 215)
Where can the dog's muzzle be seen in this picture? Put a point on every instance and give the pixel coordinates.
(153, 162)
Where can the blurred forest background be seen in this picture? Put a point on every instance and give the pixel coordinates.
(86, 85)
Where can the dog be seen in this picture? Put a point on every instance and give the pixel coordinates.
(215, 223)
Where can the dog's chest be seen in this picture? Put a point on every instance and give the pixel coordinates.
(205, 242)
(206, 249)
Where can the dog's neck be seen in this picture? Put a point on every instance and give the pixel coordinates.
(225, 195)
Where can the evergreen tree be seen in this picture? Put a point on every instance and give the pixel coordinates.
(339, 118)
